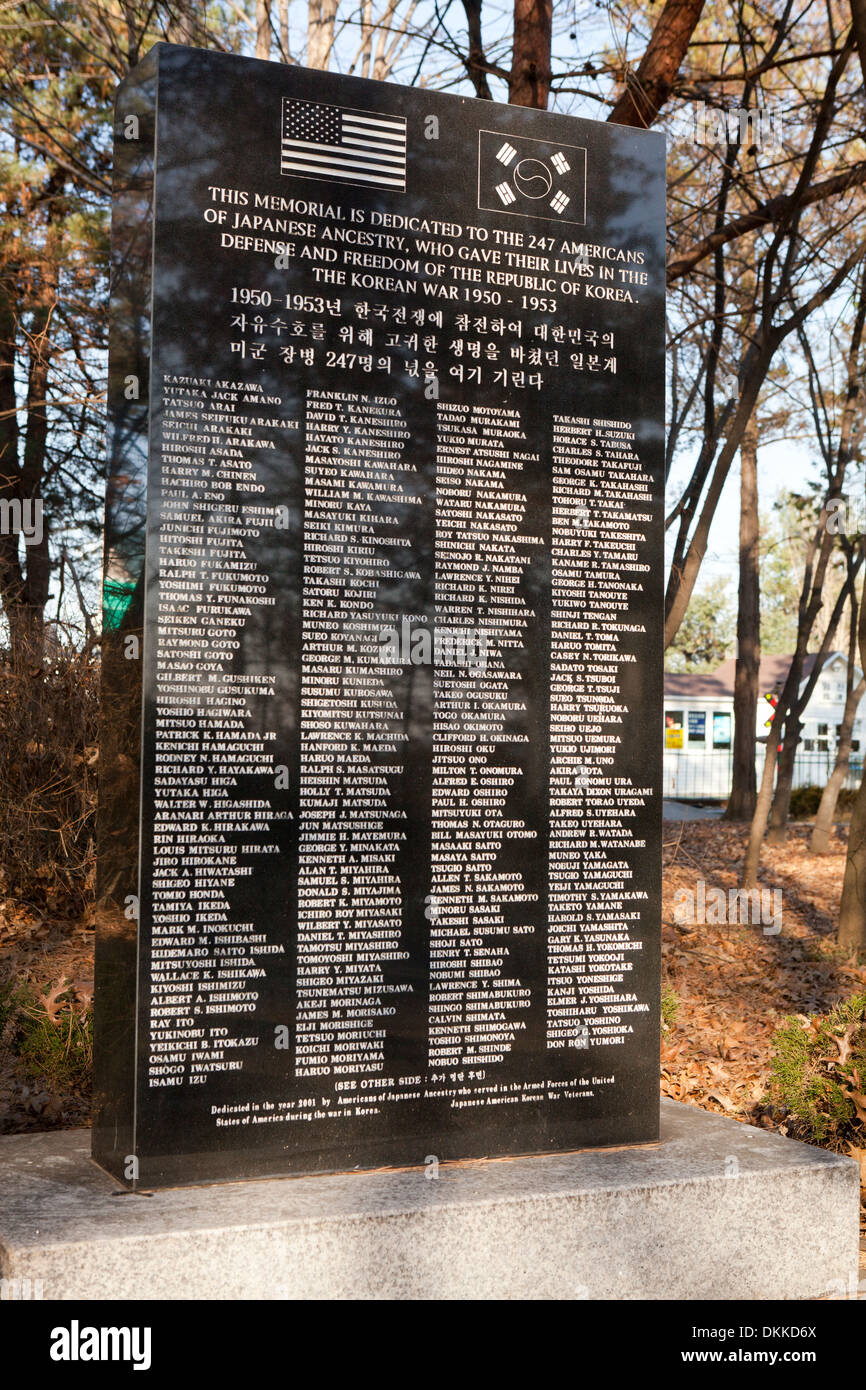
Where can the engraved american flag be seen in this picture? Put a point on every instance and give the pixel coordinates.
(336, 142)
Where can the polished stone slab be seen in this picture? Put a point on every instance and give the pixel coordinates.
(379, 831)
(715, 1210)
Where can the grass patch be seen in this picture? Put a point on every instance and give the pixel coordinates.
(670, 1008)
(818, 1074)
(51, 1039)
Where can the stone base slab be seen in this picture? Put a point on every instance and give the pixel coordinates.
(717, 1209)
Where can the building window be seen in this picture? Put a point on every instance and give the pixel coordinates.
(721, 730)
(823, 740)
(697, 726)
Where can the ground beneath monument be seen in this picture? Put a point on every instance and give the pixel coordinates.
(734, 984)
(730, 985)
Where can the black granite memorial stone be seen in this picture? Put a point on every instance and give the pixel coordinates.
(379, 830)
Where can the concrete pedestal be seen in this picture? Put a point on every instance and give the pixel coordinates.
(716, 1210)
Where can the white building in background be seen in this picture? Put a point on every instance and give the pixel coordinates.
(699, 727)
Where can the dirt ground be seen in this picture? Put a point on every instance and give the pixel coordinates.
(734, 984)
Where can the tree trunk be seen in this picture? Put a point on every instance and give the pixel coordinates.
(322, 18)
(25, 578)
(529, 84)
(756, 363)
(263, 29)
(744, 786)
(681, 585)
(852, 910)
(133, 36)
(820, 841)
(778, 828)
(24, 593)
(858, 18)
(475, 61)
(752, 861)
(34, 452)
(647, 90)
(11, 578)
(793, 699)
